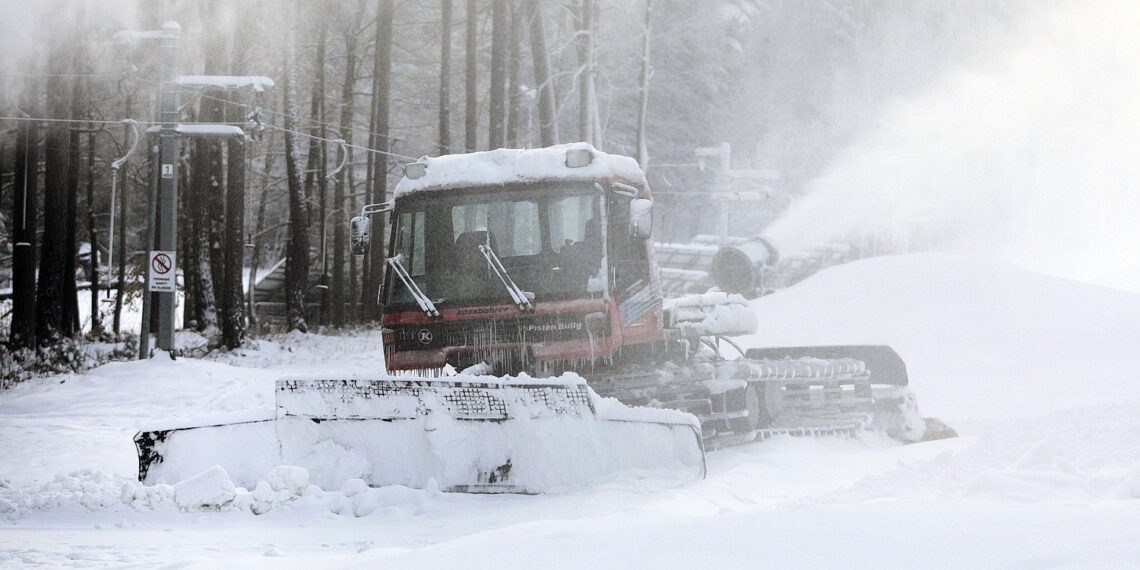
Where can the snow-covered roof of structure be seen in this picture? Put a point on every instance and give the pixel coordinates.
(509, 166)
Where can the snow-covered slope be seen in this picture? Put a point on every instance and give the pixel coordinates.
(1036, 372)
(981, 339)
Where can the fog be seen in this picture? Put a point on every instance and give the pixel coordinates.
(1029, 156)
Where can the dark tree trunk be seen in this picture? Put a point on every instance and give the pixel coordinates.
(232, 315)
(513, 91)
(321, 171)
(232, 298)
(339, 291)
(297, 257)
(445, 77)
(93, 233)
(500, 37)
(547, 125)
(24, 218)
(258, 229)
(382, 86)
(587, 111)
(205, 216)
(471, 82)
(53, 253)
(70, 305)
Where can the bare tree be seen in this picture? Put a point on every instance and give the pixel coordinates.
(232, 316)
(589, 128)
(500, 38)
(24, 209)
(231, 305)
(381, 107)
(53, 251)
(471, 78)
(70, 301)
(643, 100)
(203, 197)
(547, 121)
(93, 232)
(297, 256)
(316, 178)
(445, 76)
(339, 288)
(514, 88)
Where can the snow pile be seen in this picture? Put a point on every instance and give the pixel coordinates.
(81, 490)
(284, 487)
(209, 490)
(512, 166)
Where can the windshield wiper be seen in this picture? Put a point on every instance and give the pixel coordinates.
(422, 300)
(517, 294)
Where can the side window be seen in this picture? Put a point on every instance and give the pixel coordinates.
(627, 255)
(411, 242)
(570, 217)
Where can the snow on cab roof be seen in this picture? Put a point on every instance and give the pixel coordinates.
(507, 166)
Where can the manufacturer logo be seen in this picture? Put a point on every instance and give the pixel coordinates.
(424, 336)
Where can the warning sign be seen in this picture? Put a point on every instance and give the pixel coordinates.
(160, 272)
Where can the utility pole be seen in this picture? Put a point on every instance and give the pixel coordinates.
(162, 224)
(724, 182)
(167, 186)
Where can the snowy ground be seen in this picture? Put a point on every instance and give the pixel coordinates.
(1037, 374)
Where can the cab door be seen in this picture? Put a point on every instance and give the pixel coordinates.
(635, 288)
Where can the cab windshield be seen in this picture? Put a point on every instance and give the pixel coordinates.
(548, 238)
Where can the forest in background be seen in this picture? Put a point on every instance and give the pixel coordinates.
(786, 84)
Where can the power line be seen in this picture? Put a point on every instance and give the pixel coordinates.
(83, 121)
(339, 141)
(60, 75)
(269, 125)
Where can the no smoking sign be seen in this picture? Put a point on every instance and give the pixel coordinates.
(160, 272)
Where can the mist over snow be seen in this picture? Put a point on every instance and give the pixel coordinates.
(1029, 156)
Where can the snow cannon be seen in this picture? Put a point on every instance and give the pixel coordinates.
(464, 433)
(737, 268)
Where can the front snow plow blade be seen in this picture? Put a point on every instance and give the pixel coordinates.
(464, 433)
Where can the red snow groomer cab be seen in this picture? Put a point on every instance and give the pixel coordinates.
(533, 261)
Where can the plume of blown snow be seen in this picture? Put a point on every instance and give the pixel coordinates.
(1029, 157)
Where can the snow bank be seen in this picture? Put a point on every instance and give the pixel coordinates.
(980, 338)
